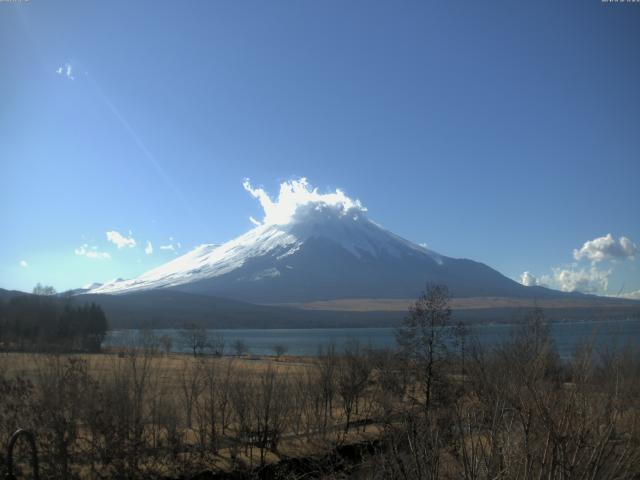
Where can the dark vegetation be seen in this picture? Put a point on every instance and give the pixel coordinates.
(165, 308)
(45, 322)
(426, 410)
(169, 309)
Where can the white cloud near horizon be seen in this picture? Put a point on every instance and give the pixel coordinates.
(528, 279)
(24, 264)
(583, 279)
(294, 194)
(66, 71)
(149, 248)
(607, 248)
(571, 279)
(120, 240)
(91, 252)
(635, 295)
(591, 280)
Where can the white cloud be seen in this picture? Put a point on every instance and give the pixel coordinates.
(149, 248)
(630, 295)
(172, 246)
(255, 222)
(120, 240)
(607, 248)
(91, 252)
(66, 71)
(296, 193)
(583, 280)
(24, 264)
(528, 279)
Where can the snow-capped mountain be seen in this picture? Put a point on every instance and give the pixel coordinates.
(322, 251)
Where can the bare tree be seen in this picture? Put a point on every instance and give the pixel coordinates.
(279, 350)
(422, 334)
(353, 375)
(191, 386)
(195, 338)
(271, 407)
(217, 345)
(166, 342)
(240, 347)
(44, 290)
(327, 367)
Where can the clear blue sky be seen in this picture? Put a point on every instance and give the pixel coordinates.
(506, 132)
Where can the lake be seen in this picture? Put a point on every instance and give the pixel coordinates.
(567, 335)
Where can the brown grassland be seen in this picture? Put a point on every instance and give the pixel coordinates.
(432, 409)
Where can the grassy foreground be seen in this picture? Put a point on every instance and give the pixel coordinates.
(141, 413)
(515, 411)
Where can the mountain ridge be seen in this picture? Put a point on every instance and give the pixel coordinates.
(321, 254)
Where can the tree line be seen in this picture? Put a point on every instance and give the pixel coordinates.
(45, 321)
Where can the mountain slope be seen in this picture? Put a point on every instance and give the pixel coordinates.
(321, 253)
(173, 309)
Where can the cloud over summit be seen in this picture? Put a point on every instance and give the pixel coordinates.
(297, 193)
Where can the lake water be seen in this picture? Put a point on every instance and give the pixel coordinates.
(567, 336)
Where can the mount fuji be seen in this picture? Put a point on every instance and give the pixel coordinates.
(322, 252)
(318, 260)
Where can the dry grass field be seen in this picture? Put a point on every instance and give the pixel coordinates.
(171, 367)
(176, 413)
(513, 412)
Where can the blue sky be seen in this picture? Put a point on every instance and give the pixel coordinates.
(505, 132)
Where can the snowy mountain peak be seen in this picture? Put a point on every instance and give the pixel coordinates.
(314, 246)
(311, 246)
(349, 230)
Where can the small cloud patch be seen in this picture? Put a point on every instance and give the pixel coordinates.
(66, 71)
(172, 247)
(91, 252)
(607, 248)
(528, 279)
(120, 240)
(631, 295)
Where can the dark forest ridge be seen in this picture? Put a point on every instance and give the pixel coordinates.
(172, 309)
